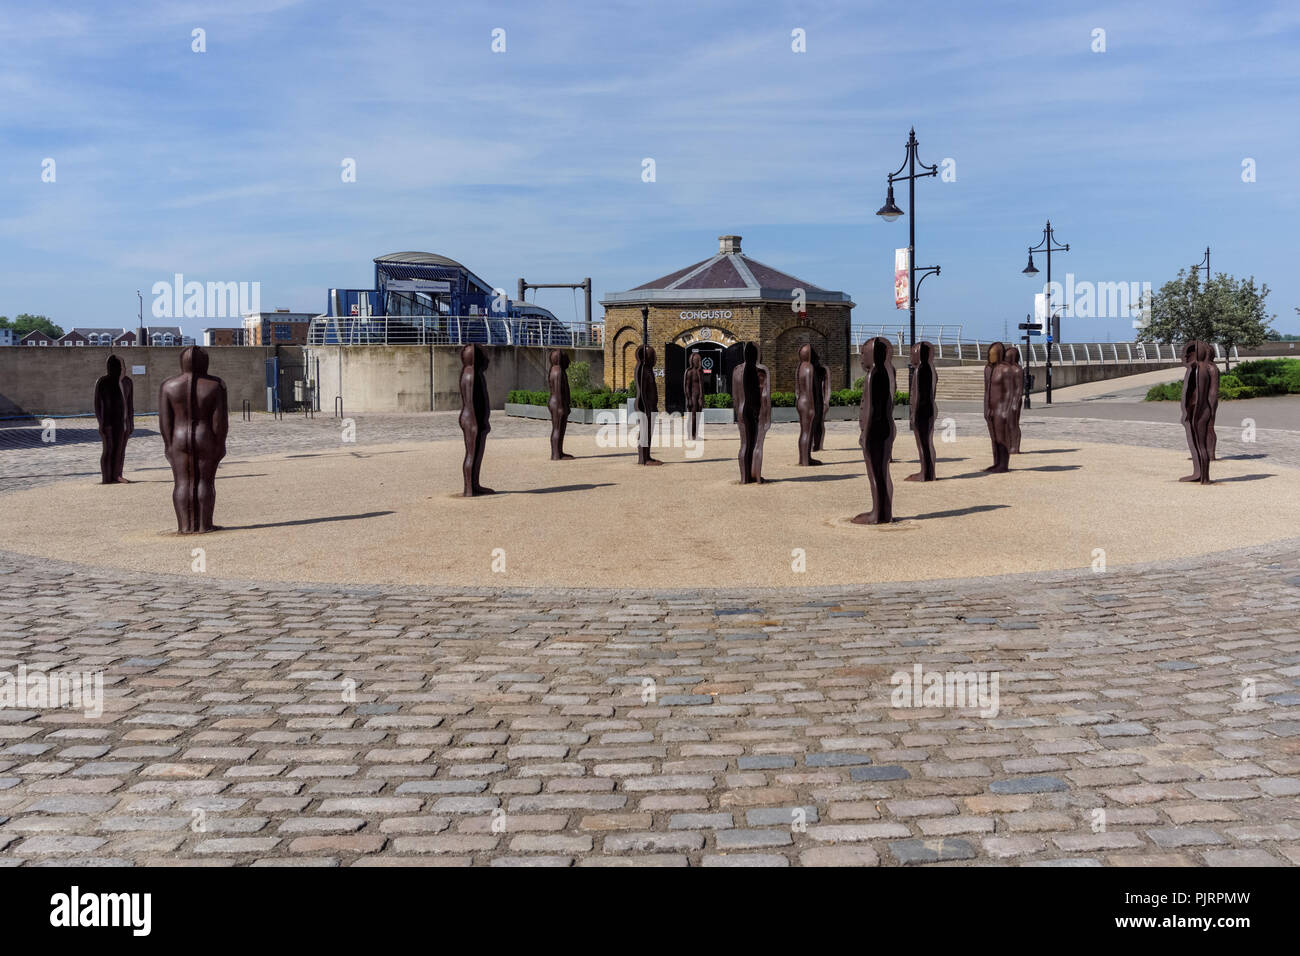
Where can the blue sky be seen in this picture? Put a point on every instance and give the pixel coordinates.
(225, 165)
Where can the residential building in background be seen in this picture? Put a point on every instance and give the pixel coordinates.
(224, 336)
(280, 327)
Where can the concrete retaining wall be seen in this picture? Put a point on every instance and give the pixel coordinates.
(421, 378)
(1063, 376)
(61, 381)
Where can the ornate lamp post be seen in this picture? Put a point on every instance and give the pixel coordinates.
(1204, 262)
(1046, 245)
(889, 212)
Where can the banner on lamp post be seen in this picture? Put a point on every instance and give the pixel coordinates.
(902, 294)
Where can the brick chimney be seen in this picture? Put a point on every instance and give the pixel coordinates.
(728, 244)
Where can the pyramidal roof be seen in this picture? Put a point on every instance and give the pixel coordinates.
(729, 275)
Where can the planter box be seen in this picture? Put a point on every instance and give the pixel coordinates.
(577, 416)
(710, 416)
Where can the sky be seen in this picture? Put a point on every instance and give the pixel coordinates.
(227, 165)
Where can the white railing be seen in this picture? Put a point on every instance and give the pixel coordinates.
(949, 344)
(453, 330)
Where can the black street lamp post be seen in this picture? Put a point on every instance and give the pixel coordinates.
(1053, 331)
(1204, 262)
(889, 212)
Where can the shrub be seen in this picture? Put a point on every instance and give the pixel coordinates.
(522, 396)
(859, 381)
(783, 399)
(1169, 392)
(580, 377)
(847, 396)
(719, 400)
(901, 398)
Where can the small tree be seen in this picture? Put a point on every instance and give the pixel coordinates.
(1226, 311)
(1175, 313)
(24, 323)
(1238, 310)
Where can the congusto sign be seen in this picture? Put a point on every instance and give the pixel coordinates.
(715, 314)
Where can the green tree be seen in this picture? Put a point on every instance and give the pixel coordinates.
(1226, 311)
(1239, 311)
(24, 323)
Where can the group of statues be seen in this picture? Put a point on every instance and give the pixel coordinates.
(193, 420)
(193, 416)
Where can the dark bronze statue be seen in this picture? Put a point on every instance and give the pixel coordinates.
(115, 411)
(876, 420)
(1001, 381)
(751, 397)
(823, 389)
(560, 403)
(808, 403)
(474, 411)
(923, 409)
(693, 385)
(192, 416)
(647, 402)
(1199, 403)
(992, 357)
(1012, 357)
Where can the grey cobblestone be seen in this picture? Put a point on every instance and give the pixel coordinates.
(1120, 693)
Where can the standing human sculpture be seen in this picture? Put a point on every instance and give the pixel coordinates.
(923, 409)
(751, 397)
(823, 390)
(992, 357)
(1000, 383)
(475, 410)
(647, 403)
(693, 386)
(193, 417)
(1200, 401)
(560, 403)
(1017, 397)
(877, 429)
(115, 412)
(808, 404)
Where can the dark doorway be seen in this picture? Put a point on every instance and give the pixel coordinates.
(710, 354)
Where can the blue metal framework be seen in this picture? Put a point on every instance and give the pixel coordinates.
(421, 298)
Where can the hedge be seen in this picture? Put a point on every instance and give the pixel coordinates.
(599, 398)
(1254, 379)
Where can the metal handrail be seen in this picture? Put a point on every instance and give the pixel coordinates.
(453, 330)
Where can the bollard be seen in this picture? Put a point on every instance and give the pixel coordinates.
(248, 411)
(338, 406)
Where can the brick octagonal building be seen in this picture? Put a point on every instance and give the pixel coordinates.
(713, 307)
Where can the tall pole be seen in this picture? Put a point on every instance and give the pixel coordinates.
(1050, 337)
(911, 249)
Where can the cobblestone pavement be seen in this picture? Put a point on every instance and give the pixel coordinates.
(1147, 715)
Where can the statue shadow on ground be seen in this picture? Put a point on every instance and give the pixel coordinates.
(1242, 457)
(1047, 451)
(821, 476)
(990, 474)
(1224, 481)
(954, 513)
(301, 521)
(557, 489)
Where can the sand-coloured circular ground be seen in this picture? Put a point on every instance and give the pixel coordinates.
(394, 515)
